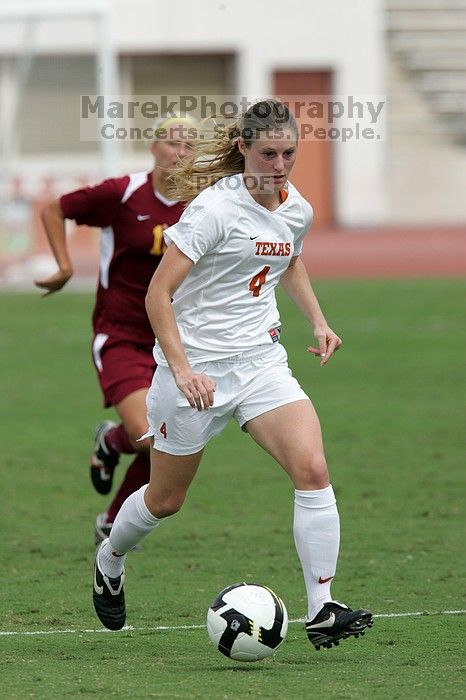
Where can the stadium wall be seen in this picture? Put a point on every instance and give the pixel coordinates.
(262, 38)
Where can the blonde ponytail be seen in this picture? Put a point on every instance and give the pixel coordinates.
(216, 154)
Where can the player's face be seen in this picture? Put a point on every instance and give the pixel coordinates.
(268, 161)
(172, 146)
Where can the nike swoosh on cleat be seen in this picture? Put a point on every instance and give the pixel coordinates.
(98, 589)
(326, 623)
(325, 580)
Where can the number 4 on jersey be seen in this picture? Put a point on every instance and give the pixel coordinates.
(163, 430)
(255, 285)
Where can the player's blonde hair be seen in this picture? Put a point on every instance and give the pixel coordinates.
(216, 154)
(163, 125)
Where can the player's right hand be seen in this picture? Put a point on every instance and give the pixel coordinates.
(55, 282)
(198, 388)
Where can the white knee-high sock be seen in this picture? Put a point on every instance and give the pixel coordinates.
(133, 522)
(316, 532)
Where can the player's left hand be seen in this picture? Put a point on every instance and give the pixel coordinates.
(329, 342)
(55, 282)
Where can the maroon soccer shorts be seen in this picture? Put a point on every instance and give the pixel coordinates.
(122, 367)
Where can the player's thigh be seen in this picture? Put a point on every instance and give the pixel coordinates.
(291, 434)
(123, 368)
(176, 427)
(170, 479)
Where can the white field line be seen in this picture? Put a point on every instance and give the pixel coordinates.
(175, 628)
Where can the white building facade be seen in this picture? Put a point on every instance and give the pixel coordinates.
(225, 47)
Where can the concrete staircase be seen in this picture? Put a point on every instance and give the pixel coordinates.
(427, 46)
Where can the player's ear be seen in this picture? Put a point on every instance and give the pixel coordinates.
(241, 145)
(153, 148)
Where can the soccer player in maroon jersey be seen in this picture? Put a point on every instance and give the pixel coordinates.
(132, 212)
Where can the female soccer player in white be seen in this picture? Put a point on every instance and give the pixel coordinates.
(219, 355)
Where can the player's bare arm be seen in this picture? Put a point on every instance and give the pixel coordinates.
(198, 388)
(54, 225)
(295, 282)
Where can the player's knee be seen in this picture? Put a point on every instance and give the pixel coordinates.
(162, 507)
(134, 433)
(144, 445)
(313, 473)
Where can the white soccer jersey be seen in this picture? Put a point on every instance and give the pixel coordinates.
(226, 305)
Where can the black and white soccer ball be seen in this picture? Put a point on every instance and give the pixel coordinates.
(247, 622)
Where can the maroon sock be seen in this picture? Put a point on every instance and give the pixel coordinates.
(137, 475)
(117, 440)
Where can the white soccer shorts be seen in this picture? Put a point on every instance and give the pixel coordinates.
(248, 385)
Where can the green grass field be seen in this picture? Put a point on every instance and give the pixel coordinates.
(391, 406)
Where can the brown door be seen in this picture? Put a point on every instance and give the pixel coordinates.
(312, 173)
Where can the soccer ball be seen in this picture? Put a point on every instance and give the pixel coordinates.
(247, 622)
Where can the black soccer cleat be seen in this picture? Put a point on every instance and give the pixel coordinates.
(109, 598)
(103, 461)
(336, 622)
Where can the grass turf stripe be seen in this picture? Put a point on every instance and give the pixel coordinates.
(175, 628)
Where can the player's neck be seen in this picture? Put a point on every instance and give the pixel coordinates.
(270, 201)
(159, 183)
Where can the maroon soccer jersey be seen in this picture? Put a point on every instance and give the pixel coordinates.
(132, 218)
